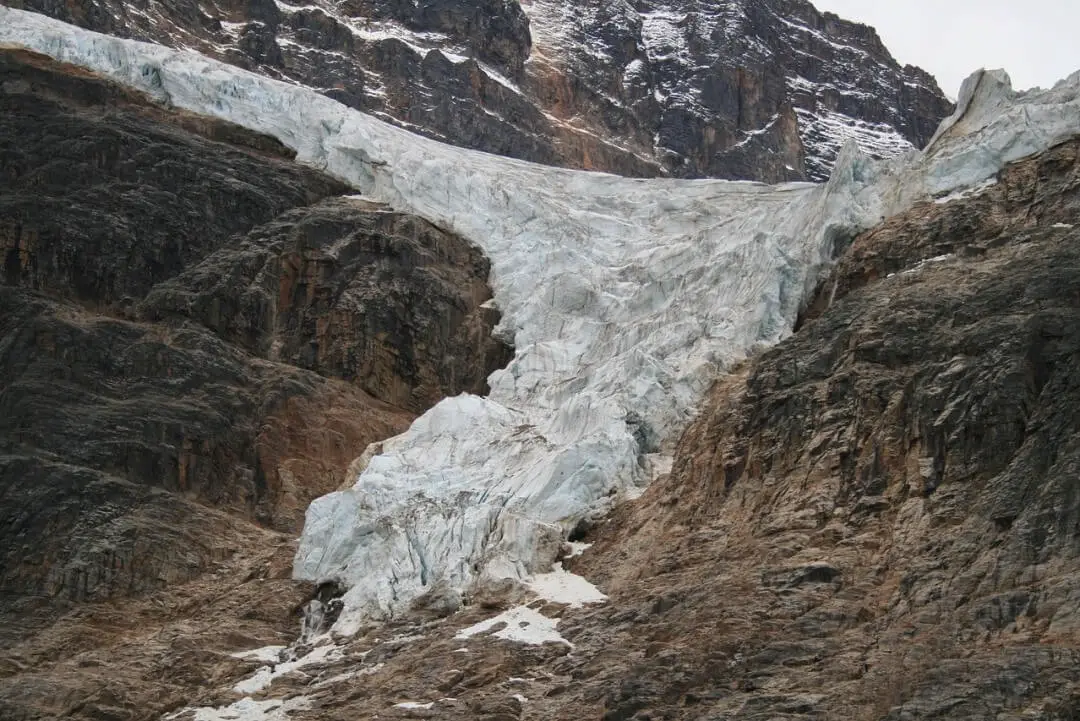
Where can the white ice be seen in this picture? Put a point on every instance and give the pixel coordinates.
(624, 299)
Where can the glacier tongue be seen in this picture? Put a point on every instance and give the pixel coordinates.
(624, 299)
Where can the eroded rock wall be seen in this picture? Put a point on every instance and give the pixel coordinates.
(875, 519)
(878, 519)
(196, 339)
(763, 90)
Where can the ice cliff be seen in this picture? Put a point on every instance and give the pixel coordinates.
(624, 299)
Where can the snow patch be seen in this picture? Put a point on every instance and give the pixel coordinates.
(265, 676)
(750, 135)
(923, 263)
(965, 193)
(561, 586)
(266, 654)
(246, 709)
(521, 625)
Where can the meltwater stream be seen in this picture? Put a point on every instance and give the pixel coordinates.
(624, 299)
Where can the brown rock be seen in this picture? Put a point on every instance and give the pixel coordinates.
(152, 452)
(874, 519)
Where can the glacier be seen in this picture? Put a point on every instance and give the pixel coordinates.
(624, 300)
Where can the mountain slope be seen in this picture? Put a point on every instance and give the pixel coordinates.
(196, 339)
(703, 272)
(879, 484)
(876, 519)
(748, 89)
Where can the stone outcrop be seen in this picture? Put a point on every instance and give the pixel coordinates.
(875, 519)
(751, 89)
(350, 290)
(196, 339)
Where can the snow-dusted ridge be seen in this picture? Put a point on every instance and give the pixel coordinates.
(624, 299)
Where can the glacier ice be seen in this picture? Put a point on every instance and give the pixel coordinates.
(624, 299)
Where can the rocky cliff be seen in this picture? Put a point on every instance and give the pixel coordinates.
(197, 339)
(751, 89)
(872, 518)
(876, 519)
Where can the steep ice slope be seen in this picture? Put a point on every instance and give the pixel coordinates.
(623, 297)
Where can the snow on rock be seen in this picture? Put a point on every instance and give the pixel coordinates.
(825, 133)
(964, 193)
(624, 299)
(675, 53)
(265, 675)
(561, 586)
(521, 625)
(246, 709)
(266, 654)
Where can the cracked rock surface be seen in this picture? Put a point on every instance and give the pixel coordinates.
(874, 519)
(196, 339)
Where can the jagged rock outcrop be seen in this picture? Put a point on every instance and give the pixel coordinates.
(753, 89)
(879, 521)
(875, 519)
(192, 347)
(350, 290)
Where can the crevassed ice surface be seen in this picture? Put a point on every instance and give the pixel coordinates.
(624, 298)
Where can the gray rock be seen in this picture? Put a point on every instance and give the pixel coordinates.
(746, 89)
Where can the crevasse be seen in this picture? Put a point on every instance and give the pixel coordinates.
(624, 299)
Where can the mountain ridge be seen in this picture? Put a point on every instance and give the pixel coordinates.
(766, 90)
(870, 515)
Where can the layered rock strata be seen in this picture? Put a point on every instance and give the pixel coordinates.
(196, 339)
(875, 519)
(744, 89)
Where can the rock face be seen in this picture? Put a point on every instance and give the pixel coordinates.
(350, 290)
(875, 519)
(752, 89)
(192, 347)
(879, 522)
